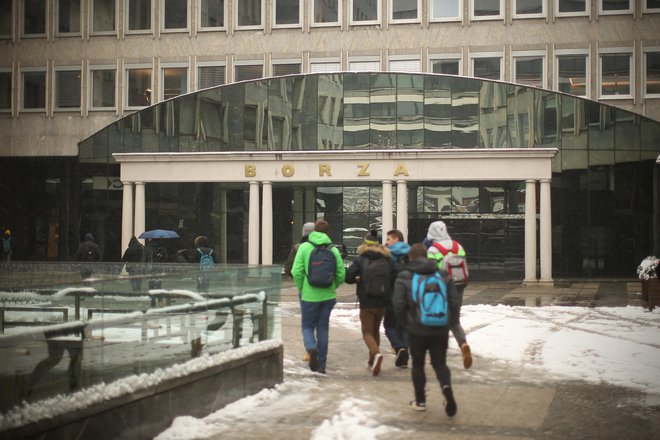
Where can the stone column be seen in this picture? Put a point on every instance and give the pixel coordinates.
(545, 231)
(253, 224)
(126, 215)
(140, 209)
(402, 208)
(530, 231)
(267, 224)
(388, 222)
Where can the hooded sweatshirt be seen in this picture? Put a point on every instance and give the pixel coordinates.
(300, 268)
(366, 253)
(438, 234)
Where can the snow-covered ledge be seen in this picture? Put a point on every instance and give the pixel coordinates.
(146, 404)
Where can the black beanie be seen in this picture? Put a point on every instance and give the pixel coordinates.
(372, 237)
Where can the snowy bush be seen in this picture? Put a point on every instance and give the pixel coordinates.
(648, 268)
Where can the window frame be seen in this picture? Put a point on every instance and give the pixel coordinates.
(585, 13)
(173, 30)
(542, 14)
(201, 28)
(287, 61)
(58, 69)
(631, 63)
(161, 79)
(11, 89)
(22, 20)
(404, 58)
(446, 57)
(250, 27)
(202, 64)
(481, 55)
(140, 66)
(340, 12)
(21, 95)
(325, 60)
(630, 9)
(91, 70)
(587, 75)
(500, 16)
(653, 49)
(57, 21)
(433, 19)
(301, 5)
(648, 10)
(91, 19)
(364, 59)
(392, 20)
(379, 13)
(129, 31)
(248, 63)
(529, 54)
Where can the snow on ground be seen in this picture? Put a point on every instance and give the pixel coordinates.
(618, 346)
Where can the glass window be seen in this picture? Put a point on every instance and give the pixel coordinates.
(651, 5)
(487, 67)
(447, 67)
(324, 66)
(652, 73)
(210, 76)
(528, 71)
(446, 9)
(175, 15)
(139, 87)
(34, 17)
(529, 7)
(364, 66)
(212, 13)
(5, 18)
(572, 74)
(139, 15)
(247, 72)
(68, 16)
(286, 69)
(67, 89)
(325, 11)
(248, 13)
(405, 10)
(365, 11)
(5, 90)
(615, 6)
(487, 8)
(175, 82)
(34, 90)
(103, 88)
(571, 7)
(615, 74)
(287, 12)
(405, 66)
(103, 16)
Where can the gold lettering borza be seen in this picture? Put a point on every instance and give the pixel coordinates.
(401, 169)
(250, 170)
(324, 169)
(362, 169)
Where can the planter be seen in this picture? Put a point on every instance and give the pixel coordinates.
(651, 292)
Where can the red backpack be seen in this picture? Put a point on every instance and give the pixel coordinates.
(453, 263)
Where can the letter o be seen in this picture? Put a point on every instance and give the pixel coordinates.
(288, 170)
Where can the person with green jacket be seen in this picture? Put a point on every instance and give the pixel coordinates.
(316, 302)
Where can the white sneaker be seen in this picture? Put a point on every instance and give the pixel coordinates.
(378, 360)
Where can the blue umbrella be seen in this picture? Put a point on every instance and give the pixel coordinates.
(159, 233)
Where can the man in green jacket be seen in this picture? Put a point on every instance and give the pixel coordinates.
(316, 302)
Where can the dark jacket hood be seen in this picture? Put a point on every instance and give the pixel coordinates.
(422, 266)
(373, 251)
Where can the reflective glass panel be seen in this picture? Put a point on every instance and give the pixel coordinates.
(6, 18)
(626, 130)
(547, 119)
(365, 10)
(404, 10)
(529, 70)
(445, 8)
(212, 13)
(437, 112)
(287, 12)
(330, 117)
(34, 90)
(492, 115)
(572, 76)
(448, 67)
(104, 16)
(574, 135)
(615, 5)
(652, 85)
(249, 12)
(486, 8)
(34, 16)
(247, 72)
(5, 90)
(286, 69)
(572, 5)
(600, 119)
(176, 14)
(139, 87)
(410, 111)
(529, 7)
(488, 68)
(520, 102)
(615, 74)
(356, 110)
(382, 108)
(465, 112)
(326, 11)
(139, 15)
(68, 16)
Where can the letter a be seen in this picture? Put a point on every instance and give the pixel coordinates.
(401, 169)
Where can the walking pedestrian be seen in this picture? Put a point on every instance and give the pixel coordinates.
(317, 271)
(372, 273)
(450, 256)
(394, 332)
(132, 257)
(420, 277)
(88, 252)
(7, 245)
(206, 259)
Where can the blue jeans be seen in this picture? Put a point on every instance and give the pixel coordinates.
(315, 327)
(396, 335)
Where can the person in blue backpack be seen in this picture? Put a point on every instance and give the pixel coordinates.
(317, 271)
(420, 277)
(396, 334)
(205, 257)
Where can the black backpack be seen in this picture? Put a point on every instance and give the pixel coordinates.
(376, 277)
(322, 266)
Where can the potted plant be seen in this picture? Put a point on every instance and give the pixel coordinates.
(649, 272)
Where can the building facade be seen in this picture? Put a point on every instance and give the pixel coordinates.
(69, 68)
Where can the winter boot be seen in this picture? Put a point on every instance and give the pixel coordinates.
(450, 403)
(401, 358)
(314, 359)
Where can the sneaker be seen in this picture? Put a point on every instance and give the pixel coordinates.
(314, 359)
(421, 406)
(401, 360)
(375, 368)
(467, 355)
(450, 403)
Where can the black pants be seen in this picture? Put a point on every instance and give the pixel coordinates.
(436, 345)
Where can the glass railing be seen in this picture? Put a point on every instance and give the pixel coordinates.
(64, 333)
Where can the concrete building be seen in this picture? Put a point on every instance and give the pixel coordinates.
(69, 68)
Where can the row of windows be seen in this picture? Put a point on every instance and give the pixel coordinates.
(250, 14)
(571, 75)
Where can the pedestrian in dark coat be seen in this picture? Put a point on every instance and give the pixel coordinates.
(133, 257)
(88, 252)
(422, 338)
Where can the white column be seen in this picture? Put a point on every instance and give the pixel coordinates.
(126, 215)
(388, 222)
(545, 231)
(530, 231)
(139, 209)
(253, 224)
(267, 224)
(402, 208)
(223, 226)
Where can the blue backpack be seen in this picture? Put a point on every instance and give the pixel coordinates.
(205, 261)
(429, 293)
(322, 266)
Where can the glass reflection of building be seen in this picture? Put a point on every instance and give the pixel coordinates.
(605, 193)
